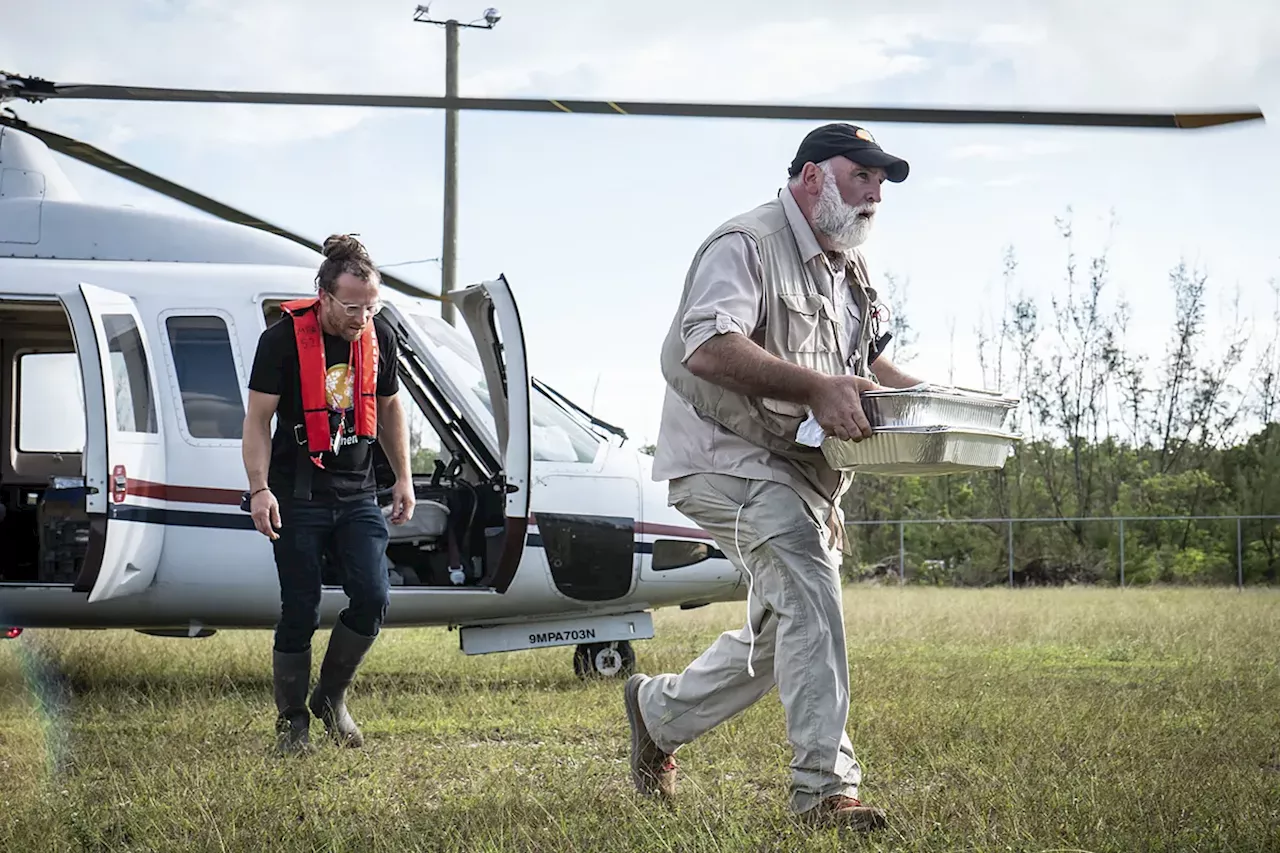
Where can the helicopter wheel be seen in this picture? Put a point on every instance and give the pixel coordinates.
(604, 660)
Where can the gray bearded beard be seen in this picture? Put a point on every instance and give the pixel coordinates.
(838, 221)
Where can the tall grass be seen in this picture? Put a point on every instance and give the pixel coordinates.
(995, 719)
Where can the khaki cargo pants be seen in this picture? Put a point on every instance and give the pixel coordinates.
(795, 620)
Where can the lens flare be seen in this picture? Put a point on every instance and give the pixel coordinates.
(39, 687)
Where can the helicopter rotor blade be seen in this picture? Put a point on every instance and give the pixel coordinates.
(100, 159)
(36, 89)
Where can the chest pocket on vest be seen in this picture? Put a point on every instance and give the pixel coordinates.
(852, 332)
(809, 322)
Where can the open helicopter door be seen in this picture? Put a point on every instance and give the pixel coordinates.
(124, 452)
(490, 312)
(491, 315)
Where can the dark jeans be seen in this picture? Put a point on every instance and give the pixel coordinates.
(354, 533)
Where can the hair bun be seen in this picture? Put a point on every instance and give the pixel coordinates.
(341, 247)
(344, 255)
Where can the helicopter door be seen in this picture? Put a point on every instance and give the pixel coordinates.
(124, 451)
(490, 312)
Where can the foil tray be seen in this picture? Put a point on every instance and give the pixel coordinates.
(926, 451)
(932, 405)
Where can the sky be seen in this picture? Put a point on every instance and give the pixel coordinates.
(594, 219)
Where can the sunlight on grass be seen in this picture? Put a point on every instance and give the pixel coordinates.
(995, 719)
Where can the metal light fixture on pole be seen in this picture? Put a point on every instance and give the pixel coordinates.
(449, 238)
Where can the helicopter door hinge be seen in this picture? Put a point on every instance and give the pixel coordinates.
(119, 484)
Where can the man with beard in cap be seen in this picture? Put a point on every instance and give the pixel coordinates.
(774, 323)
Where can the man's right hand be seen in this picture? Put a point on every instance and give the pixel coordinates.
(266, 513)
(837, 406)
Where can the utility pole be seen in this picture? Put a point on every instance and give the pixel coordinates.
(449, 237)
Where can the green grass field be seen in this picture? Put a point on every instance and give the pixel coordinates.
(1036, 720)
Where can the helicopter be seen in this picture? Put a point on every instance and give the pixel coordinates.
(536, 525)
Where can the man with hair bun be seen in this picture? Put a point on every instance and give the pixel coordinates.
(327, 371)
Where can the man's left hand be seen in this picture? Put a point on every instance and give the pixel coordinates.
(402, 502)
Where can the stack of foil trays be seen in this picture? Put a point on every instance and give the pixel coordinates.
(928, 430)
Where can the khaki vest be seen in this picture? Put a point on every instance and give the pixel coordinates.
(800, 327)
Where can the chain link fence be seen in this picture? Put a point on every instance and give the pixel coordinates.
(1188, 548)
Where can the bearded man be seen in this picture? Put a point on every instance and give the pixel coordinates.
(772, 326)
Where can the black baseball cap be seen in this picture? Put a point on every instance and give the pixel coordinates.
(853, 142)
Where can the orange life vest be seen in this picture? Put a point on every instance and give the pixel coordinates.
(363, 367)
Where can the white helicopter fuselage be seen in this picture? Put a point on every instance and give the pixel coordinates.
(553, 522)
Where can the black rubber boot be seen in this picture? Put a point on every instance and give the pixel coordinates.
(292, 676)
(346, 650)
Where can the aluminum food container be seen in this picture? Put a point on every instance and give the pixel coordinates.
(921, 451)
(933, 405)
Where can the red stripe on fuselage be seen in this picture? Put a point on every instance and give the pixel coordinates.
(645, 528)
(184, 494)
(231, 497)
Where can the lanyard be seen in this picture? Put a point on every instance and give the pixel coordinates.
(353, 358)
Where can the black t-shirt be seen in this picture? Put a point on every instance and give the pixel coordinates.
(350, 473)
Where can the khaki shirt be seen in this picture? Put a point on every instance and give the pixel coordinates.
(727, 296)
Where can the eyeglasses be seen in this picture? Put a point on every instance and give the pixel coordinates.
(355, 310)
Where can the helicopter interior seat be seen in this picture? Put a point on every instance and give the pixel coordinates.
(432, 548)
(419, 552)
(41, 432)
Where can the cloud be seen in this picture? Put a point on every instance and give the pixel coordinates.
(1050, 54)
(238, 44)
(1157, 54)
(1014, 180)
(1004, 152)
(760, 59)
(1003, 181)
(1011, 34)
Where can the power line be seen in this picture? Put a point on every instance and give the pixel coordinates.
(406, 263)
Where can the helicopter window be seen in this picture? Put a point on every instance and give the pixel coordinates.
(207, 376)
(557, 436)
(135, 411)
(424, 441)
(50, 394)
(272, 312)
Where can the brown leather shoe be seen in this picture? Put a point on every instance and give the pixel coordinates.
(844, 811)
(652, 770)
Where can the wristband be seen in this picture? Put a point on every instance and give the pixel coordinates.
(246, 498)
